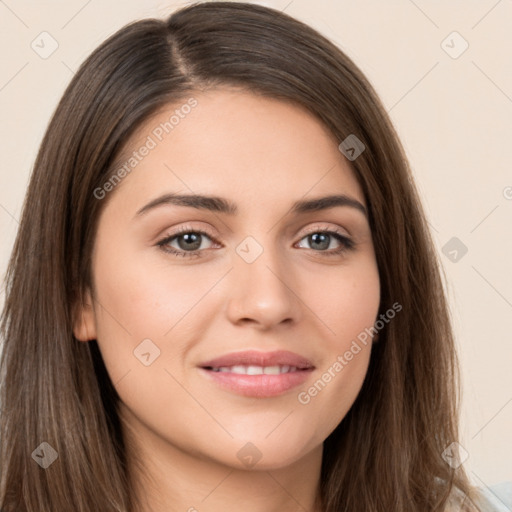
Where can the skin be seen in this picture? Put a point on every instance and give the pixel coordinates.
(184, 432)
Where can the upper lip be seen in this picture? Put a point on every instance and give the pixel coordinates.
(256, 358)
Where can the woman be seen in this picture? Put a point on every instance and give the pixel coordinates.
(254, 368)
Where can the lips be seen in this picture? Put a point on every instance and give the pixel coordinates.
(258, 374)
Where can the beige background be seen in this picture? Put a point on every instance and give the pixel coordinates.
(454, 116)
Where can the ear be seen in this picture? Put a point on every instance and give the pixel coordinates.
(84, 319)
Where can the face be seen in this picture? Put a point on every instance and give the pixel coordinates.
(227, 326)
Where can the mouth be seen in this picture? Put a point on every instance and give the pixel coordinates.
(258, 374)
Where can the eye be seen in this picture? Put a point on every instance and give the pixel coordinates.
(322, 240)
(189, 241)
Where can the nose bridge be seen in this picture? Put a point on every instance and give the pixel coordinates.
(263, 282)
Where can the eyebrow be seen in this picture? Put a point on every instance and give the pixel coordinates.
(221, 205)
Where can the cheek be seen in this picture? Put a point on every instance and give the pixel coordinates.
(346, 301)
(145, 298)
(141, 300)
(348, 307)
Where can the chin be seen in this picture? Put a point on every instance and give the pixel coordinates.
(263, 454)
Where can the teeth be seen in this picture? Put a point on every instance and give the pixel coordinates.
(256, 370)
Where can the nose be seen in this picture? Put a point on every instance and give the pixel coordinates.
(263, 292)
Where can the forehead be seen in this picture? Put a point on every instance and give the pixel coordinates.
(229, 142)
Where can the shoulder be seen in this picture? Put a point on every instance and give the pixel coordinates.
(497, 498)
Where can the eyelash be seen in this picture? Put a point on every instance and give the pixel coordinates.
(346, 243)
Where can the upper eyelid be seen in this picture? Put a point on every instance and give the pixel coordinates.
(192, 229)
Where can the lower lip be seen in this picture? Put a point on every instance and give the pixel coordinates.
(258, 386)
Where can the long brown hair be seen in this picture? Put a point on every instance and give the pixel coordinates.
(386, 454)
